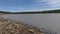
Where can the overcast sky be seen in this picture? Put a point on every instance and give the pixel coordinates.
(28, 5)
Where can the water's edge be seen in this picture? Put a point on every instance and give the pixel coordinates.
(51, 22)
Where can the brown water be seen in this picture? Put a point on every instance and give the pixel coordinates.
(48, 21)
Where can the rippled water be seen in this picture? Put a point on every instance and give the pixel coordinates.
(48, 21)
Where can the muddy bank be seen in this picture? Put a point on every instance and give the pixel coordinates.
(13, 27)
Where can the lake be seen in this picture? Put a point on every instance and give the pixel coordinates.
(47, 21)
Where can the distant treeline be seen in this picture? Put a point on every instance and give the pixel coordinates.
(5, 12)
(32, 12)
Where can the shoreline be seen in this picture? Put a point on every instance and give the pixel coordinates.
(18, 25)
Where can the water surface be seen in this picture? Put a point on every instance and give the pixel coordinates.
(48, 21)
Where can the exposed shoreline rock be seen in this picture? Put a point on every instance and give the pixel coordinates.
(13, 27)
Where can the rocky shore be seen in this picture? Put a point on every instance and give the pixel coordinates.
(13, 27)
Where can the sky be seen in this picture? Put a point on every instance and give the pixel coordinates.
(28, 5)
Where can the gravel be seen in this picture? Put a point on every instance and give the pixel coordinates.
(13, 27)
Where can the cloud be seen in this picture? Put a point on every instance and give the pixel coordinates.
(50, 2)
(47, 4)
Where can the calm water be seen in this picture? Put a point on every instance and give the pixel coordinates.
(48, 21)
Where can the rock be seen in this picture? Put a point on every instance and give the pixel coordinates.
(12, 27)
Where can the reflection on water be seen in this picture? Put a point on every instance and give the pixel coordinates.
(51, 22)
